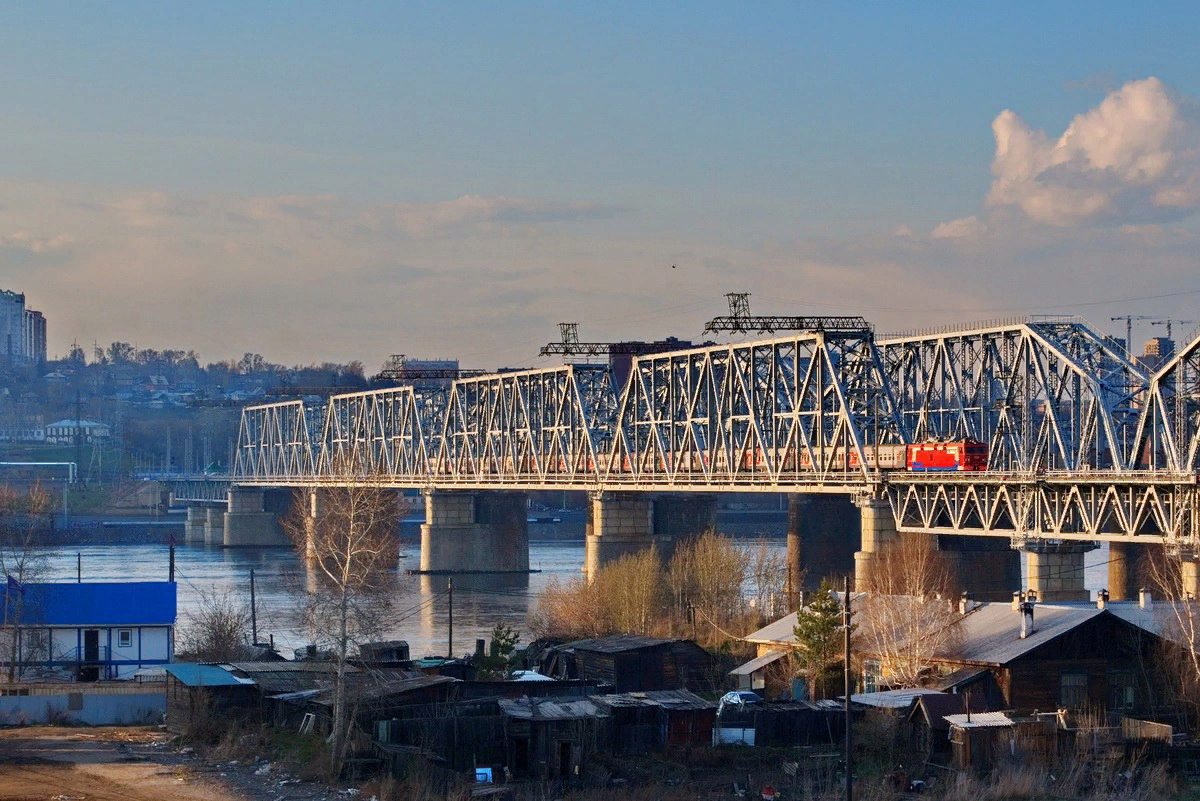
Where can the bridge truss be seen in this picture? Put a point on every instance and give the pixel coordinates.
(1082, 443)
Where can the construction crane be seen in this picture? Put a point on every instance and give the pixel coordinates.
(740, 321)
(1129, 318)
(569, 345)
(1168, 323)
(397, 368)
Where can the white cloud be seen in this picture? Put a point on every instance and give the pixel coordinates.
(959, 229)
(1133, 159)
(23, 240)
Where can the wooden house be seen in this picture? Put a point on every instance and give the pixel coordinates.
(634, 662)
(1061, 656)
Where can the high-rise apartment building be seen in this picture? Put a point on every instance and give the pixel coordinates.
(22, 331)
(35, 336)
(12, 326)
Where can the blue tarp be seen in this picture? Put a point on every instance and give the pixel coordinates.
(130, 603)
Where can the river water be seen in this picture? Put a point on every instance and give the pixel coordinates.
(421, 605)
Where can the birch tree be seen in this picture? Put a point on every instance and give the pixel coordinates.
(23, 560)
(1179, 615)
(351, 548)
(909, 615)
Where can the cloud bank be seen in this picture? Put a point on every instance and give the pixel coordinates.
(1133, 159)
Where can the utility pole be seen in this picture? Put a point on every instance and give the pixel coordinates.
(253, 612)
(849, 687)
(450, 643)
(1129, 318)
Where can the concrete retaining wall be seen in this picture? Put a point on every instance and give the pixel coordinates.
(84, 707)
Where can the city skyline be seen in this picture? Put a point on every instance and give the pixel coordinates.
(343, 184)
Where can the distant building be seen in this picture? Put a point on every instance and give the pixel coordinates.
(62, 432)
(1155, 352)
(92, 630)
(22, 331)
(12, 326)
(35, 337)
(22, 428)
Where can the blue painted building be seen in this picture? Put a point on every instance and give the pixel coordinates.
(90, 630)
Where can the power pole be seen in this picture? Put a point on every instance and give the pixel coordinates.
(450, 643)
(849, 687)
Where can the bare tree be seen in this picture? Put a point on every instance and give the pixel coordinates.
(350, 544)
(709, 572)
(767, 570)
(908, 615)
(1179, 615)
(217, 627)
(22, 560)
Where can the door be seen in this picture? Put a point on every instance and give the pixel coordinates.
(90, 670)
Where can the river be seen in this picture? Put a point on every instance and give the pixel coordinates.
(421, 604)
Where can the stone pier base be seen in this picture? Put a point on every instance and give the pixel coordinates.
(475, 532)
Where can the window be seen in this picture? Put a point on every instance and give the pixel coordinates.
(872, 670)
(1073, 690)
(124, 638)
(1122, 690)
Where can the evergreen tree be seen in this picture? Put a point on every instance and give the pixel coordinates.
(819, 634)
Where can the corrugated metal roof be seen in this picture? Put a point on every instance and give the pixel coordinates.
(116, 603)
(197, 675)
(758, 663)
(992, 633)
(550, 708)
(892, 699)
(980, 720)
(618, 643)
(665, 699)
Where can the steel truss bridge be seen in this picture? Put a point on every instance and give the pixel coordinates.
(1083, 444)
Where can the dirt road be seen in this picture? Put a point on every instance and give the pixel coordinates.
(44, 763)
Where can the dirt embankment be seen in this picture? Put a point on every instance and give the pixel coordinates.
(54, 763)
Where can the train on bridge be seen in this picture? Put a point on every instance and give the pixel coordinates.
(966, 455)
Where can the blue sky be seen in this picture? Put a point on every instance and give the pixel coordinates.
(453, 178)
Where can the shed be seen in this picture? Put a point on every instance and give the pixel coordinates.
(198, 695)
(552, 738)
(652, 719)
(928, 726)
(977, 739)
(634, 662)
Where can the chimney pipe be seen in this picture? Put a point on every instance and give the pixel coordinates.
(1102, 599)
(1031, 596)
(964, 603)
(1026, 619)
(1016, 603)
(1144, 599)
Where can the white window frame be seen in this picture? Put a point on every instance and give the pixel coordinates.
(124, 638)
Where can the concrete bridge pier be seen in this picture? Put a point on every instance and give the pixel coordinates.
(621, 523)
(1125, 570)
(214, 524)
(1190, 574)
(987, 567)
(1055, 569)
(249, 523)
(878, 531)
(197, 521)
(821, 534)
(475, 532)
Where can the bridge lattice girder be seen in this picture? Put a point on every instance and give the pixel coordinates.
(1051, 397)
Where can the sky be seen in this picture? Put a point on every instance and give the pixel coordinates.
(343, 181)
